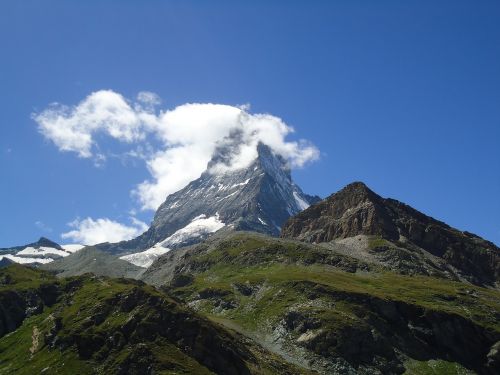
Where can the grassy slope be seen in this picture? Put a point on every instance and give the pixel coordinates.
(230, 266)
(249, 283)
(91, 309)
(285, 276)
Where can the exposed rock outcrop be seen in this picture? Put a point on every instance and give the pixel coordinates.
(356, 210)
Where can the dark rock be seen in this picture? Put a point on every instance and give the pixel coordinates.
(42, 241)
(212, 292)
(356, 210)
(494, 357)
(181, 280)
(244, 289)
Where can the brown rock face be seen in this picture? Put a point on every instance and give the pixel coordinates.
(357, 210)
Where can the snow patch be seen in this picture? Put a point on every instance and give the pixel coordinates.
(240, 184)
(72, 248)
(262, 221)
(42, 251)
(301, 203)
(222, 187)
(227, 196)
(147, 257)
(175, 204)
(199, 226)
(25, 260)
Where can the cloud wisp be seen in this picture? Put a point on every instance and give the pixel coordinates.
(187, 136)
(90, 232)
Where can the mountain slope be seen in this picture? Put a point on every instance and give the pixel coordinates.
(260, 198)
(332, 313)
(91, 325)
(397, 231)
(94, 261)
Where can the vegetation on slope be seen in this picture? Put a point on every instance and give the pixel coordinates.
(113, 326)
(335, 314)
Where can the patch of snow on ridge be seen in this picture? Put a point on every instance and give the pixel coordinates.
(72, 248)
(42, 251)
(175, 204)
(302, 204)
(147, 257)
(24, 260)
(241, 183)
(199, 226)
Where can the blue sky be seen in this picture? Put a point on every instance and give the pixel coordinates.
(404, 96)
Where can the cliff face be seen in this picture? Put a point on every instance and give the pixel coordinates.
(356, 210)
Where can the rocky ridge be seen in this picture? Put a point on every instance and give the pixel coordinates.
(259, 198)
(42, 251)
(396, 229)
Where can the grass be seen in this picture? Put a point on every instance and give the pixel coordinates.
(478, 304)
(22, 278)
(93, 310)
(435, 367)
(375, 242)
(283, 279)
(24, 351)
(16, 356)
(281, 275)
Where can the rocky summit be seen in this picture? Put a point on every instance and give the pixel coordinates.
(42, 251)
(407, 238)
(260, 198)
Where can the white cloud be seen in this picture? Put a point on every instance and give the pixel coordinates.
(188, 136)
(90, 232)
(148, 99)
(72, 129)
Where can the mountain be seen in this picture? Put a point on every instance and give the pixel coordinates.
(331, 313)
(259, 198)
(42, 251)
(92, 260)
(352, 286)
(95, 325)
(389, 232)
(42, 242)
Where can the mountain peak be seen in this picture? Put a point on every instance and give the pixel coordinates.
(358, 186)
(356, 189)
(43, 241)
(357, 210)
(259, 197)
(272, 163)
(227, 156)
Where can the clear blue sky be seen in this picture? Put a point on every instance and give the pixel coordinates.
(403, 95)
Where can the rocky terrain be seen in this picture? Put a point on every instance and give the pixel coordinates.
(92, 325)
(258, 198)
(356, 284)
(267, 305)
(397, 232)
(92, 260)
(332, 313)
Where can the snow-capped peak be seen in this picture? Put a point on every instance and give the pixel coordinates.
(259, 197)
(43, 251)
